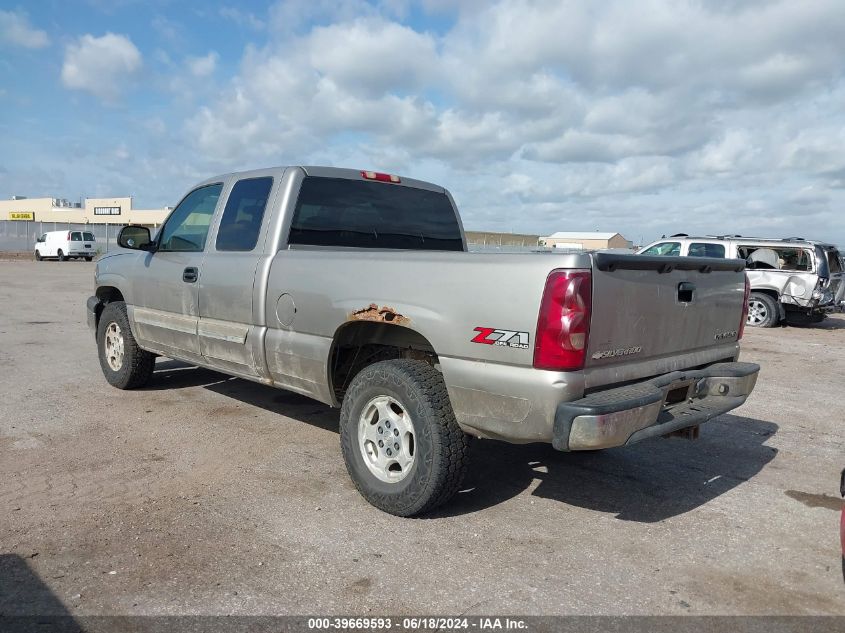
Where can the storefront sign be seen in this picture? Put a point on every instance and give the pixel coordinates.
(28, 216)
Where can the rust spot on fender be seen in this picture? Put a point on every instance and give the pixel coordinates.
(383, 314)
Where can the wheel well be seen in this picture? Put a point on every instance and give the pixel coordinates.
(765, 291)
(106, 294)
(359, 344)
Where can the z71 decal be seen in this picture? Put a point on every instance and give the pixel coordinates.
(504, 338)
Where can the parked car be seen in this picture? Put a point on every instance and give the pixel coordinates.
(356, 289)
(66, 245)
(794, 280)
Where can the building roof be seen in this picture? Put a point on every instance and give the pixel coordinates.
(575, 235)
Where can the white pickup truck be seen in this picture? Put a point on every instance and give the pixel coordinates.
(356, 289)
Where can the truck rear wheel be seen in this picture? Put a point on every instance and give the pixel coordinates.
(401, 443)
(60, 255)
(124, 364)
(762, 310)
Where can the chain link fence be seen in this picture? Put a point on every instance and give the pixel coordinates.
(20, 236)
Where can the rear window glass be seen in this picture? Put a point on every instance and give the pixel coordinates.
(76, 236)
(88, 237)
(241, 221)
(706, 250)
(834, 261)
(668, 249)
(776, 258)
(352, 213)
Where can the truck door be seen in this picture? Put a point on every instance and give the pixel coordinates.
(166, 293)
(229, 326)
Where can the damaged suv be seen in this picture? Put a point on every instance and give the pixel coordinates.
(793, 280)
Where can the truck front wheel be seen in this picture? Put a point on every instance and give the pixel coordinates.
(401, 443)
(124, 364)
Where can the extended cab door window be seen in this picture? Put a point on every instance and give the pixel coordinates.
(241, 221)
(187, 227)
(361, 214)
(706, 250)
(668, 249)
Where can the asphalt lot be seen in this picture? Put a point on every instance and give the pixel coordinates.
(203, 494)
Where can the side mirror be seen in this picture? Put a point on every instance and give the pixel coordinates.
(134, 237)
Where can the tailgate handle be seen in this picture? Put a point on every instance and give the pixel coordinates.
(686, 289)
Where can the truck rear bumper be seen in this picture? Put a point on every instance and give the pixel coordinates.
(667, 403)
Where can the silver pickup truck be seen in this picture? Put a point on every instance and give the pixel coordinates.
(356, 289)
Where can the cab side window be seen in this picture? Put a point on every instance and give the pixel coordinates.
(241, 221)
(666, 249)
(187, 227)
(706, 250)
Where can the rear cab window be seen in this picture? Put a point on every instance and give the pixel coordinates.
(665, 249)
(76, 236)
(88, 237)
(361, 214)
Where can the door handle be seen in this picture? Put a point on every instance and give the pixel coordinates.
(190, 274)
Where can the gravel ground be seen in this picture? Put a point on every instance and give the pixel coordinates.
(203, 494)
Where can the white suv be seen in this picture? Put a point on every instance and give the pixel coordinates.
(794, 280)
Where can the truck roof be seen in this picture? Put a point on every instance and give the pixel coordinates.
(318, 171)
(745, 238)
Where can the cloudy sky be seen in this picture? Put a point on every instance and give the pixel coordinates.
(644, 117)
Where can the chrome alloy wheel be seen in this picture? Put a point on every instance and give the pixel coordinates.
(114, 346)
(386, 438)
(757, 312)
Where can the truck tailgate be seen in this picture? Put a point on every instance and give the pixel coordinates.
(651, 307)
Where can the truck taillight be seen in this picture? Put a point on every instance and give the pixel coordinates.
(563, 326)
(376, 175)
(68, 236)
(744, 308)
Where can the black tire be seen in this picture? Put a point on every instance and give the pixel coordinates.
(762, 310)
(137, 364)
(88, 259)
(440, 447)
(37, 256)
(61, 256)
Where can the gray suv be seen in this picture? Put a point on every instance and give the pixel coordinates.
(793, 280)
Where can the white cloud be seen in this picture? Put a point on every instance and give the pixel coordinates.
(16, 30)
(101, 65)
(544, 115)
(241, 18)
(203, 66)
